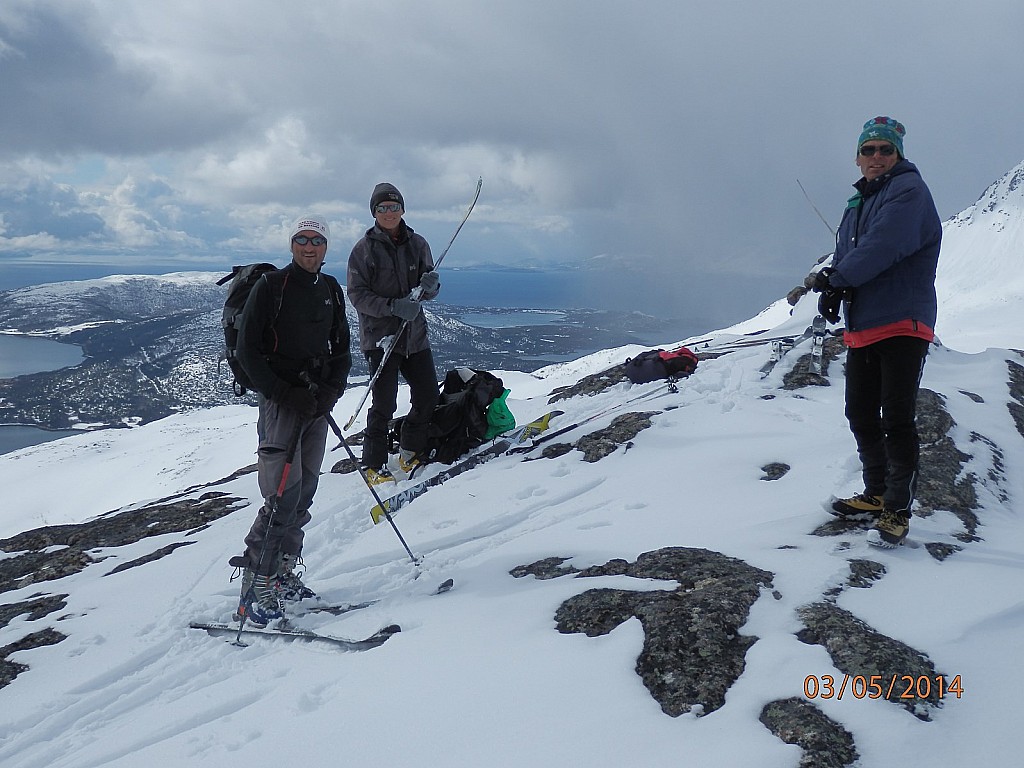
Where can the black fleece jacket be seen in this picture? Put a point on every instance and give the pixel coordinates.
(308, 334)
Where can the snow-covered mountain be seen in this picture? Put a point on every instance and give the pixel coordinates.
(153, 346)
(979, 279)
(668, 592)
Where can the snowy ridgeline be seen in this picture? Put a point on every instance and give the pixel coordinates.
(661, 581)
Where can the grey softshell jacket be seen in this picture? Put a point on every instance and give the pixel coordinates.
(379, 270)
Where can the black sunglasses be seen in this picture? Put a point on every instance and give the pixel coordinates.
(315, 240)
(885, 150)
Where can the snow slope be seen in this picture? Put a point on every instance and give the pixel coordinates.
(479, 676)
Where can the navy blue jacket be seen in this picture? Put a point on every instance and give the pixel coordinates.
(887, 249)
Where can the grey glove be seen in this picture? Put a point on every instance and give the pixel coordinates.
(405, 308)
(430, 284)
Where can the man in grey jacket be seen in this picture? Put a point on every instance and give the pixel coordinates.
(387, 263)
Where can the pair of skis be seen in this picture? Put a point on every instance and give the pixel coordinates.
(816, 332)
(504, 444)
(284, 629)
(521, 440)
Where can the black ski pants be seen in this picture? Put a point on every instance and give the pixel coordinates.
(882, 380)
(418, 371)
(277, 529)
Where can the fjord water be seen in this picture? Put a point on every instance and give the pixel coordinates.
(21, 355)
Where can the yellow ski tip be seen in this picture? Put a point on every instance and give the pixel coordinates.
(378, 512)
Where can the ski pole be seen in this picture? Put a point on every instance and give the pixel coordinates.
(369, 485)
(272, 503)
(390, 342)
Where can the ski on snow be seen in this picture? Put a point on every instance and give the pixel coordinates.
(282, 629)
(818, 333)
(503, 445)
(782, 346)
(321, 606)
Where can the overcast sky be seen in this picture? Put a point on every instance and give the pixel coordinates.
(662, 139)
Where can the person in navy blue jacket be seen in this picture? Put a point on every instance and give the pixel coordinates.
(883, 277)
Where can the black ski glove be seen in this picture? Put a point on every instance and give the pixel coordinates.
(829, 303)
(326, 398)
(430, 284)
(298, 399)
(405, 308)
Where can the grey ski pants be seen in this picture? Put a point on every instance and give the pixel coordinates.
(277, 529)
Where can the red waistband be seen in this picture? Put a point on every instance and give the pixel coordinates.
(913, 328)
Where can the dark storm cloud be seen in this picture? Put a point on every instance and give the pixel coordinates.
(65, 90)
(656, 147)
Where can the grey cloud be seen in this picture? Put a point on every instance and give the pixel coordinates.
(66, 91)
(36, 207)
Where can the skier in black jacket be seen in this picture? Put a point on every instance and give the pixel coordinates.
(294, 344)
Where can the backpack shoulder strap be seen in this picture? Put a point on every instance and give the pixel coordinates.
(276, 281)
(338, 300)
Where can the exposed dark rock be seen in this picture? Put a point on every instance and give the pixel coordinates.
(941, 464)
(555, 450)
(940, 550)
(774, 470)
(857, 650)
(839, 526)
(35, 607)
(1016, 406)
(621, 431)
(864, 573)
(693, 650)
(32, 564)
(151, 557)
(345, 467)
(548, 568)
(826, 743)
(35, 567)
(11, 669)
(801, 376)
(591, 385)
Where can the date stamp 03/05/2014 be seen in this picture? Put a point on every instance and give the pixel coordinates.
(889, 687)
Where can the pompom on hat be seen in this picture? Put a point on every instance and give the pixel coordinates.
(384, 193)
(883, 128)
(312, 223)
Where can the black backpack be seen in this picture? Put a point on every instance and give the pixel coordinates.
(459, 422)
(242, 280)
(658, 364)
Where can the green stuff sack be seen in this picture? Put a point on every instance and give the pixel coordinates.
(499, 417)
